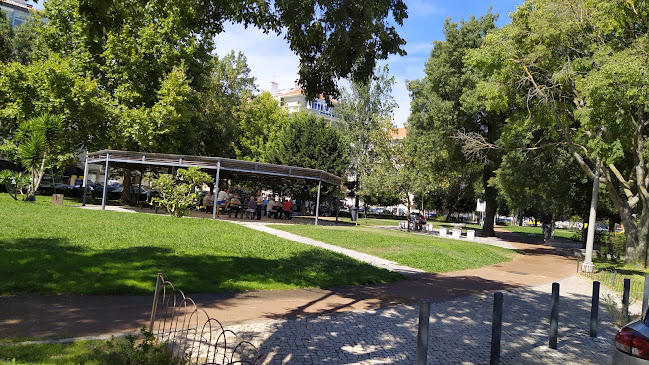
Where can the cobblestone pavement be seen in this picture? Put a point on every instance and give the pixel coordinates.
(460, 332)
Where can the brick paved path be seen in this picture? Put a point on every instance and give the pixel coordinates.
(460, 331)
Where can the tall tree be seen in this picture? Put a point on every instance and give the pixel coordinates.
(308, 141)
(445, 105)
(260, 123)
(582, 68)
(6, 38)
(365, 117)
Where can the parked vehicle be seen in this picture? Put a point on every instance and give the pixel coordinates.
(632, 344)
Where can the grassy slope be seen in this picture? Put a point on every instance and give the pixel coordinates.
(423, 252)
(51, 249)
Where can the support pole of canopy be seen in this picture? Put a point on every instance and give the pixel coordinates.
(216, 188)
(338, 202)
(85, 178)
(103, 198)
(317, 203)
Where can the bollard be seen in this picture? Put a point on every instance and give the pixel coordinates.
(554, 316)
(594, 310)
(645, 296)
(496, 328)
(625, 299)
(422, 333)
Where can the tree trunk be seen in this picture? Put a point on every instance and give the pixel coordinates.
(552, 225)
(490, 202)
(37, 176)
(408, 209)
(126, 186)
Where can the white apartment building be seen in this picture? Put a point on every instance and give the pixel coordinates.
(294, 101)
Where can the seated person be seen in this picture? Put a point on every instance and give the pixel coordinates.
(222, 196)
(235, 204)
(208, 201)
(270, 206)
(287, 209)
(252, 208)
(221, 199)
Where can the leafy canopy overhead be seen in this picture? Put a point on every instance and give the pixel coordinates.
(333, 38)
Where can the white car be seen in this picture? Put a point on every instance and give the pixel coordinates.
(632, 344)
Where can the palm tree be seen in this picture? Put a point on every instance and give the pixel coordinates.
(38, 139)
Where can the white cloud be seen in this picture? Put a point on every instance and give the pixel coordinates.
(269, 56)
(422, 8)
(271, 59)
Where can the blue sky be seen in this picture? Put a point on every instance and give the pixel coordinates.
(270, 59)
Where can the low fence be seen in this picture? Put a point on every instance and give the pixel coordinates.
(192, 333)
(614, 280)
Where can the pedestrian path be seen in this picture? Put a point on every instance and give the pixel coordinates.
(460, 332)
(372, 260)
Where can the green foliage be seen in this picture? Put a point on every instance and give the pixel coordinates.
(261, 122)
(392, 177)
(178, 194)
(6, 38)
(446, 105)
(14, 182)
(365, 122)
(619, 312)
(147, 351)
(52, 86)
(579, 73)
(308, 141)
(613, 247)
(77, 251)
(38, 140)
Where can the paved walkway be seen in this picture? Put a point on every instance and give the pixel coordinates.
(67, 315)
(460, 332)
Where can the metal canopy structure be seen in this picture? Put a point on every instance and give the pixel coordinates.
(236, 167)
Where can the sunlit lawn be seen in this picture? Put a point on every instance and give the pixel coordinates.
(369, 221)
(50, 249)
(423, 252)
(82, 352)
(538, 231)
(612, 274)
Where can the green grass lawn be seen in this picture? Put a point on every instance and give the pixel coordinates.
(115, 351)
(48, 249)
(538, 231)
(612, 274)
(368, 222)
(82, 352)
(423, 252)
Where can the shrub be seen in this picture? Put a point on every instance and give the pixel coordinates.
(618, 312)
(615, 246)
(177, 194)
(148, 351)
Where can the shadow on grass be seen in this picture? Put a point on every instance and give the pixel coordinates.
(52, 266)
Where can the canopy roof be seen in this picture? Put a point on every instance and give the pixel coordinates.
(237, 167)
